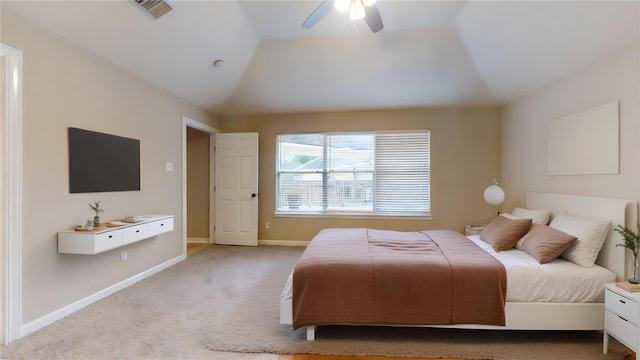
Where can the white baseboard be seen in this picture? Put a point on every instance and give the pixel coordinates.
(197, 240)
(284, 242)
(54, 316)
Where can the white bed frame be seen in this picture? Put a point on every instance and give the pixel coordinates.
(553, 316)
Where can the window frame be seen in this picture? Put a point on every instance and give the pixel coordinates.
(352, 214)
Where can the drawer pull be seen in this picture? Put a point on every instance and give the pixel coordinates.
(621, 318)
(622, 301)
(110, 236)
(137, 231)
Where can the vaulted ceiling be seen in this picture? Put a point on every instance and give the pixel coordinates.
(429, 54)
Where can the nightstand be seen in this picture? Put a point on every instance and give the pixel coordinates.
(474, 229)
(621, 317)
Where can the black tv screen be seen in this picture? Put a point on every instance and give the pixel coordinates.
(102, 162)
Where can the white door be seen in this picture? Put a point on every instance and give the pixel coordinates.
(236, 189)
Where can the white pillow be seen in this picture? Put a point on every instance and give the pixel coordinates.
(509, 216)
(590, 234)
(538, 216)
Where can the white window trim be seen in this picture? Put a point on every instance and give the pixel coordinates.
(354, 214)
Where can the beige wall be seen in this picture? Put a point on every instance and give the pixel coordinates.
(197, 184)
(464, 159)
(65, 86)
(524, 140)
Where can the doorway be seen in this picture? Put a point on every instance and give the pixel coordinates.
(198, 181)
(198, 191)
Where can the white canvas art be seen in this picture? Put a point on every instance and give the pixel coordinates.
(585, 142)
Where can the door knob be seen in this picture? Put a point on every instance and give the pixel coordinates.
(254, 195)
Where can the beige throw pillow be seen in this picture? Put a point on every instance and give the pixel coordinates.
(503, 233)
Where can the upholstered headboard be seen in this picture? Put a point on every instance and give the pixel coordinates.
(621, 212)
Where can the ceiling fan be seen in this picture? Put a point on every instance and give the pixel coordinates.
(358, 9)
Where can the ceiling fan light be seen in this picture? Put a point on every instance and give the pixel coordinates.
(342, 5)
(356, 11)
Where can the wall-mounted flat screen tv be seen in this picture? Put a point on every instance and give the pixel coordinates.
(102, 162)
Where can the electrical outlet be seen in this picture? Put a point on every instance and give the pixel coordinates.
(267, 225)
(123, 255)
(168, 166)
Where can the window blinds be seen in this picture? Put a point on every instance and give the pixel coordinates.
(402, 173)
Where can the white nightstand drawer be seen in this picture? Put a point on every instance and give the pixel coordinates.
(622, 306)
(621, 329)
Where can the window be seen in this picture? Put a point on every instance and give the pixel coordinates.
(352, 173)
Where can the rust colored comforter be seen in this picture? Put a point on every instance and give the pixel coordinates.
(378, 277)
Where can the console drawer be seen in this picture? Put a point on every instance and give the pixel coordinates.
(107, 240)
(135, 233)
(160, 226)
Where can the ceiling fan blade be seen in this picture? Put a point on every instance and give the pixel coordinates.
(318, 14)
(372, 17)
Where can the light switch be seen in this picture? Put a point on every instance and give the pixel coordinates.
(168, 166)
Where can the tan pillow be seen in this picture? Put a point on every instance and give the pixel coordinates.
(545, 243)
(503, 233)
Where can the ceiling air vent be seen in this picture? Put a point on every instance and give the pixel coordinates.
(157, 8)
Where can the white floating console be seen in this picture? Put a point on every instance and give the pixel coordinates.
(106, 238)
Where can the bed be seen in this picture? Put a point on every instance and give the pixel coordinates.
(572, 305)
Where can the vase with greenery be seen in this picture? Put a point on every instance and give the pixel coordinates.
(96, 208)
(632, 242)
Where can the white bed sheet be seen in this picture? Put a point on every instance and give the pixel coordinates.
(559, 281)
(556, 281)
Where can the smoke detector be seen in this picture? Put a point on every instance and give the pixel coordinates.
(218, 64)
(156, 8)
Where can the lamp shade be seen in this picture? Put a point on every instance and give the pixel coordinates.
(494, 194)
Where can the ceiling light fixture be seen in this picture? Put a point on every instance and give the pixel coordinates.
(355, 7)
(342, 5)
(356, 11)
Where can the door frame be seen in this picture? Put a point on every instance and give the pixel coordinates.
(187, 122)
(11, 203)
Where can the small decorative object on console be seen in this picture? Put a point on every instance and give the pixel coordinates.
(96, 207)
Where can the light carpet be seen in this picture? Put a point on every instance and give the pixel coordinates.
(253, 326)
(226, 299)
